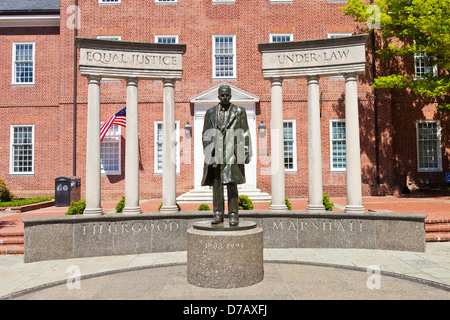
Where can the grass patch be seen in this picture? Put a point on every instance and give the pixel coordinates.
(445, 188)
(25, 201)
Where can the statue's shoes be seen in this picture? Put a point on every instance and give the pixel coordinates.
(234, 219)
(218, 218)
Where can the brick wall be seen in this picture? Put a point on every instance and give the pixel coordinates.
(49, 103)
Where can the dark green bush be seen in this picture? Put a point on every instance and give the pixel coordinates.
(120, 205)
(327, 203)
(204, 207)
(5, 194)
(245, 203)
(76, 207)
(288, 204)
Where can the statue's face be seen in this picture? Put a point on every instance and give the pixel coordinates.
(225, 96)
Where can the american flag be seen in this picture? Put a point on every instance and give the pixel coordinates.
(119, 118)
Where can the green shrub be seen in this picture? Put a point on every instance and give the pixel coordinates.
(204, 207)
(160, 205)
(327, 203)
(288, 204)
(76, 207)
(245, 203)
(120, 205)
(5, 194)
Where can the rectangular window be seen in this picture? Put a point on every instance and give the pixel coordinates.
(22, 149)
(279, 37)
(282, 1)
(223, 1)
(159, 145)
(110, 151)
(109, 1)
(289, 137)
(337, 141)
(166, 1)
(166, 39)
(423, 65)
(23, 64)
(224, 59)
(429, 145)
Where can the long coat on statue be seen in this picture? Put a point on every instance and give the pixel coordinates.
(226, 146)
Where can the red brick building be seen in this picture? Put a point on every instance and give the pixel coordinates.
(43, 103)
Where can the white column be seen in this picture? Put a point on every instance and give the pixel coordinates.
(315, 190)
(169, 166)
(132, 150)
(354, 194)
(277, 146)
(93, 161)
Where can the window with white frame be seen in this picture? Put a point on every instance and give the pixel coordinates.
(224, 56)
(429, 145)
(281, 37)
(110, 151)
(166, 39)
(337, 145)
(159, 146)
(109, 1)
(289, 138)
(166, 1)
(282, 1)
(423, 65)
(23, 63)
(223, 1)
(339, 35)
(22, 149)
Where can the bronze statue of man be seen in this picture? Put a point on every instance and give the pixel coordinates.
(227, 147)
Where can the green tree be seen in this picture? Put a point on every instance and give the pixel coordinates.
(411, 27)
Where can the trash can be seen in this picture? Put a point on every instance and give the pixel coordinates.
(67, 189)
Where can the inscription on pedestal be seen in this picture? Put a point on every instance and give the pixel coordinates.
(227, 246)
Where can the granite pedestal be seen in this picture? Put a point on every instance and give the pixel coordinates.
(220, 256)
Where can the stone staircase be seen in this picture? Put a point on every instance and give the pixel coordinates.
(437, 230)
(11, 242)
(205, 195)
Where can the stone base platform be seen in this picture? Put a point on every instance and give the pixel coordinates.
(220, 256)
(66, 237)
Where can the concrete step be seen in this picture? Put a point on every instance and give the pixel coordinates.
(11, 242)
(437, 237)
(205, 195)
(11, 249)
(437, 230)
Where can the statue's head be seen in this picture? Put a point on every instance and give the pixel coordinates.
(225, 94)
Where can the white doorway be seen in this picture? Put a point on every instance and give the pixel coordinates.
(202, 103)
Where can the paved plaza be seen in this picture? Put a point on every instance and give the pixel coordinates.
(288, 273)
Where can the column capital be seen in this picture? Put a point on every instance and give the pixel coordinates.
(276, 81)
(350, 76)
(94, 78)
(312, 78)
(132, 81)
(169, 82)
